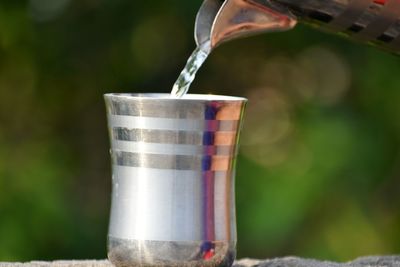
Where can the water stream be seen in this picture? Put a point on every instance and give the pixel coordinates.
(185, 79)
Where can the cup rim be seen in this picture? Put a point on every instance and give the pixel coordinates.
(169, 97)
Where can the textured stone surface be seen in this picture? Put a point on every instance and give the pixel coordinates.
(378, 261)
(88, 263)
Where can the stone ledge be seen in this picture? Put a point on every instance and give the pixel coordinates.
(372, 261)
(71, 263)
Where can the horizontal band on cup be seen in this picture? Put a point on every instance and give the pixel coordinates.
(174, 162)
(174, 137)
(131, 122)
(127, 171)
(213, 110)
(171, 149)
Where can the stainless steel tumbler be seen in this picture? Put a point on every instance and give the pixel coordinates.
(173, 171)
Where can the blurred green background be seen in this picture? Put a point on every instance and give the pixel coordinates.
(318, 173)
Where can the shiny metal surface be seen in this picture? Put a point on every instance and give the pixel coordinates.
(173, 137)
(373, 21)
(153, 123)
(220, 21)
(173, 164)
(167, 253)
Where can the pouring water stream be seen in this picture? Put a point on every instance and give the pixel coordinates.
(195, 61)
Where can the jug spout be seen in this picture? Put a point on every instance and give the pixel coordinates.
(219, 21)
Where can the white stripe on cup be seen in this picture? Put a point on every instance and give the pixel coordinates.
(172, 149)
(131, 122)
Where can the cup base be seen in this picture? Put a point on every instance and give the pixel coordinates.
(126, 253)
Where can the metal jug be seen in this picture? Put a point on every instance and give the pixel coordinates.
(375, 22)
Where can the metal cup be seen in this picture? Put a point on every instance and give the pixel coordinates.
(173, 171)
